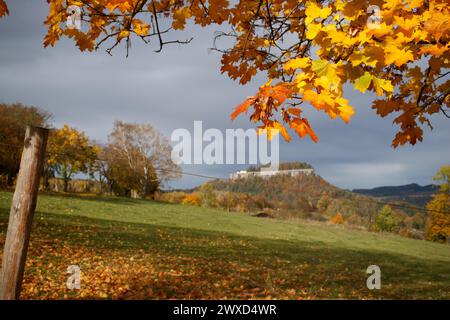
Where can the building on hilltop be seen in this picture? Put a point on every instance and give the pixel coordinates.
(270, 173)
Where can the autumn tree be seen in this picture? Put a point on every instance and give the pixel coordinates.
(443, 178)
(105, 167)
(208, 195)
(438, 218)
(113, 169)
(70, 152)
(140, 158)
(323, 202)
(13, 120)
(386, 220)
(397, 49)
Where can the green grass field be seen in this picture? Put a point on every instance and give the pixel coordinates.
(133, 249)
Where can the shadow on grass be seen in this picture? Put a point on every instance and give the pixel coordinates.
(96, 198)
(105, 199)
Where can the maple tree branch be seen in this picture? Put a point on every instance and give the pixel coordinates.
(250, 30)
(157, 28)
(204, 7)
(444, 112)
(424, 85)
(269, 17)
(442, 75)
(159, 33)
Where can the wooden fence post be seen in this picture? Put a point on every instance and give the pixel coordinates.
(22, 211)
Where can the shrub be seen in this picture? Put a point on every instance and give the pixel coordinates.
(171, 197)
(411, 233)
(337, 219)
(192, 199)
(208, 196)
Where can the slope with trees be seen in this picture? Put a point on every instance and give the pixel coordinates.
(438, 220)
(305, 196)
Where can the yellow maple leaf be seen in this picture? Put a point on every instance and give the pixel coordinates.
(319, 101)
(382, 85)
(313, 11)
(313, 30)
(358, 58)
(123, 34)
(302, 81)
(381, 30)
(297, 63)
(342, 38)
(398, 56)
(122, 5)
(434, 49)
(345, 111)
(407, 25)
(438, 25)
(327, 73)
(140, 28)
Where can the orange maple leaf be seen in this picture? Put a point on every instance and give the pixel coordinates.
(302, 128)
(243, 107)
(3, 8)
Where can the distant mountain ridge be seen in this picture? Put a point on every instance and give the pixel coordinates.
(412, 193)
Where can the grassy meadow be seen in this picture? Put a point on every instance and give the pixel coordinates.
(136, 249)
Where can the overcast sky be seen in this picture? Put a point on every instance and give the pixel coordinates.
(182, 84)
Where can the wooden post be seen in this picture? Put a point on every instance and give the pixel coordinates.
(22, 211)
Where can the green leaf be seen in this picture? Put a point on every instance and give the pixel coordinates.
(363, 82)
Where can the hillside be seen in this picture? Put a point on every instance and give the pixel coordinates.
(412, 193)
(312, 197)
(129, 249)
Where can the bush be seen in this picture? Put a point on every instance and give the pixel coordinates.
(208, 196)
(171, 197)
(337, 219)
(412, 233)
(192, 199)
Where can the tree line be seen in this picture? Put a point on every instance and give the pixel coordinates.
(135, 161)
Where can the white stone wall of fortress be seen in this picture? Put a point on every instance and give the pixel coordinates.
(293, 173)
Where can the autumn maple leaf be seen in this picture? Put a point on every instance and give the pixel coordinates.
(3, 8)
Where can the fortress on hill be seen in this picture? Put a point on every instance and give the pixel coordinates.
(269, 173)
